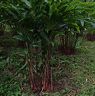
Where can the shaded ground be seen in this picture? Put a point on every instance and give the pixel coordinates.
(74, 76)
(77, 74)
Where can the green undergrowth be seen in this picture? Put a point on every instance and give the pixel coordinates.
(77, 73)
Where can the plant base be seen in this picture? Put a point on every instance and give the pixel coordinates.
(90, 37)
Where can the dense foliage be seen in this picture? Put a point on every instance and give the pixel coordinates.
(38, 23)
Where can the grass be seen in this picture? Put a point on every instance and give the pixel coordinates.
(80, 70)
(76, 74)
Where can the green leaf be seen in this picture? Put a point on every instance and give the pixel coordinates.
(18, 37)
(27, 3)
(82, 22)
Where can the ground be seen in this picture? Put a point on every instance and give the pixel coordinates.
(79, 72)
(75, 75)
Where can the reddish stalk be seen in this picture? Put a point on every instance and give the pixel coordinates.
(32, 76)
(47, 79)
(90, 37)
(66, 47)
